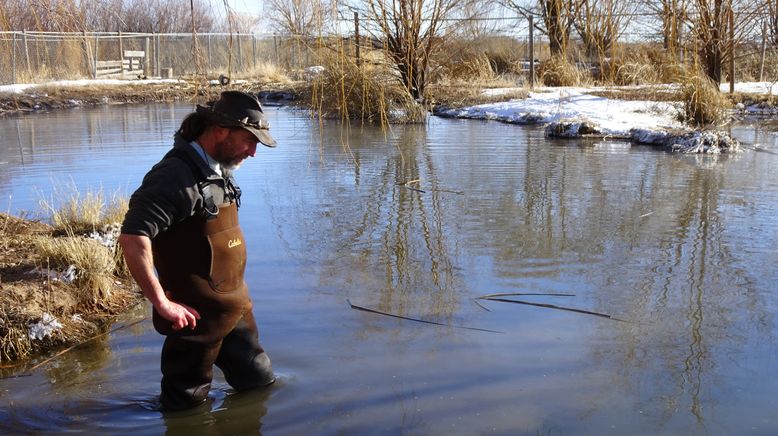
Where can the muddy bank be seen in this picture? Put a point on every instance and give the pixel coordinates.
(46, 97)
(44, 309)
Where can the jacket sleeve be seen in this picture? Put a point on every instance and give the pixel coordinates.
(167, 195)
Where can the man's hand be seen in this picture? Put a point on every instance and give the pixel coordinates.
(140, 261)
(179, 314)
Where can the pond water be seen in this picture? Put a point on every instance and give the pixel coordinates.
(417, 221)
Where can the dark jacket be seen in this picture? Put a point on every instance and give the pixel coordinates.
(176, 188)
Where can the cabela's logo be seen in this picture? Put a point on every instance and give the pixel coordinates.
(234, 243)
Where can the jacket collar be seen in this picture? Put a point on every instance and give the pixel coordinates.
(181, 143)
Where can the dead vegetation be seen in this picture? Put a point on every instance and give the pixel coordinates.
(58, 287)
(558, 71)
(703, 103)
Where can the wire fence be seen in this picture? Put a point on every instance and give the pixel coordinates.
(30, 57)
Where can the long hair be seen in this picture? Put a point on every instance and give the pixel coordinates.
(194, 125)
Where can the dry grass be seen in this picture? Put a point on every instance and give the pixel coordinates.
(649, 93)
(81, 213)
(94, 263)
(267, 73)
(30, 258)
(703, 103)
(558, 71)
(462, 94)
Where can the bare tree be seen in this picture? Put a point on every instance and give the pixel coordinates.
(710, 27)
(558, 18)
(672, 14)
(600, 23)
(412, 32)
(42, 15)
(772, 21)
(302, 18)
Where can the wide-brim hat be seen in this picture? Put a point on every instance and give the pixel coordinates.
(240, 109)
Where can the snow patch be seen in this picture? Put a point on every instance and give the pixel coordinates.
(45, 327)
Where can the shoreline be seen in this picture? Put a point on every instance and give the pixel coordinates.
(25, 99)
(44, 307)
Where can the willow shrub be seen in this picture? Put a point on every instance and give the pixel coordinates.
(370, 92)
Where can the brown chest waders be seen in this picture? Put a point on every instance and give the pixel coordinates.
(200, 263)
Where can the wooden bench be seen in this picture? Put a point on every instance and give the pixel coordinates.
(131, 64)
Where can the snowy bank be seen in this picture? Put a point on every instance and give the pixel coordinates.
(575, 113)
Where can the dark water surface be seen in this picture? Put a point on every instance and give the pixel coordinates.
(680, 247)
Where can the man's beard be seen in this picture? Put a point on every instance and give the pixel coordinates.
(230, 167)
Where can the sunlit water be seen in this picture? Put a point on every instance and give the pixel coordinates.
(679, 249)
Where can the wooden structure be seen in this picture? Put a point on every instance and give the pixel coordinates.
(132, 64)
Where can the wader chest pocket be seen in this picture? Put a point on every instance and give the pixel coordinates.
(228, 259)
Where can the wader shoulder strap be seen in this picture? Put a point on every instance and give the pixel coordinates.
(210, 209)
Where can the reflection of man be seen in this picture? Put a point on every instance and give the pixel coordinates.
(183, 220)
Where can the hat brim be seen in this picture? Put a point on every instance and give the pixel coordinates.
(262, 136)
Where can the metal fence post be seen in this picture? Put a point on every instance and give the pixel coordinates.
(158, 72)
(96, 56)
(254, 49)
(210, 67)
(13, 57)
(121, 52)
(147, 57)
(26, 54)
(240, 54)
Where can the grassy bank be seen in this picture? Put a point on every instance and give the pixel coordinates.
(63, 283)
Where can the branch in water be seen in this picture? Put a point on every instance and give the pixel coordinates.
(378, 312)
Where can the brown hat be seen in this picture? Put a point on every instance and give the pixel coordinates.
(240, 109)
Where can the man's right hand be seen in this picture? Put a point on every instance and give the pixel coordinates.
(139, 257)
(179, 314)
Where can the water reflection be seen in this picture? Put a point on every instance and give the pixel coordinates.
(418, 220)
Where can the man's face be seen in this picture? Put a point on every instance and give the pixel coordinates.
(236, 146)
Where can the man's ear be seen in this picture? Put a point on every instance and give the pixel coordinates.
(220, 133)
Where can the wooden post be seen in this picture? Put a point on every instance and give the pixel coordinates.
(26, 54)
(13, 57)
(532, 52)
(356, 37)
(764, 50)
(275, 49)
(731, 51)
(87, 51)
(682, 48)
(121, 52)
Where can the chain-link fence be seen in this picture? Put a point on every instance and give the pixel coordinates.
(29, 57)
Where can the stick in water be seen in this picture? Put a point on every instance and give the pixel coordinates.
(513, 294)
(378, 312)
(553, 306)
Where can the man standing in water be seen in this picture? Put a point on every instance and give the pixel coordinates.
(183, 221)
